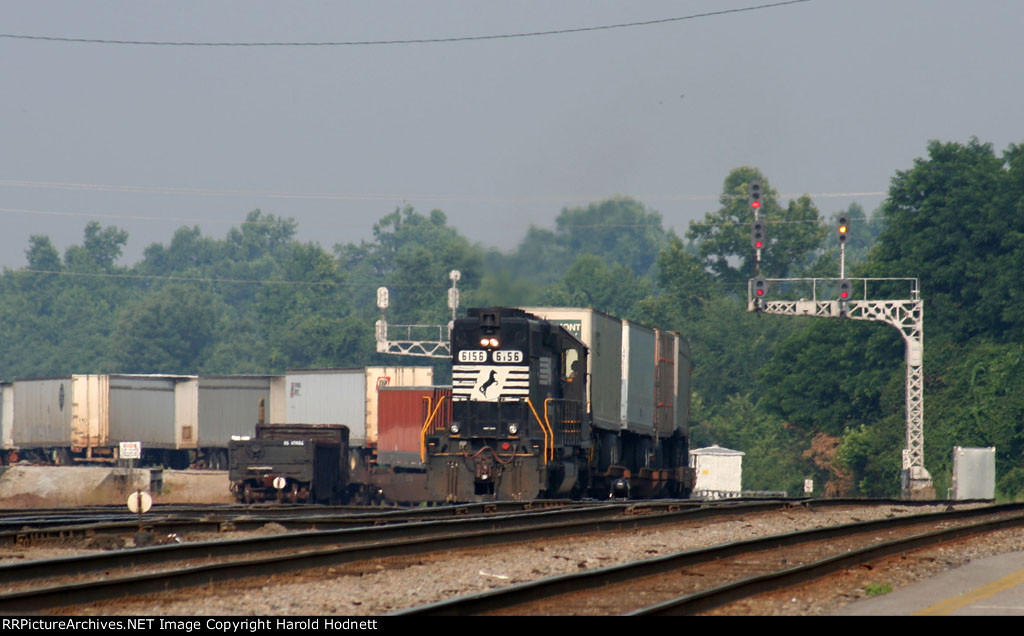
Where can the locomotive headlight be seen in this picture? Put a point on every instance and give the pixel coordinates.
(454, 428)
(513, 428)
(494, 342)
(484, 342)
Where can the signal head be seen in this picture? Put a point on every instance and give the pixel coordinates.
(844, 228)
(845, 289)
(754, 195)
(758, 238)
(759, 287)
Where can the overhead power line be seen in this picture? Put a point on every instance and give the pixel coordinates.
(396, 196)
(174, 278)
(468, 38)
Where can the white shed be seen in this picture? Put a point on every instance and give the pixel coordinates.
(719, 471)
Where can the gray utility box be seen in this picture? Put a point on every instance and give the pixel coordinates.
(974, 473)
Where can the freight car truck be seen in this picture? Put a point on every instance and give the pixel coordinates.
(297, 463)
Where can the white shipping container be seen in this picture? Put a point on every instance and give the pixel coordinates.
(6, 414)
(603, 336)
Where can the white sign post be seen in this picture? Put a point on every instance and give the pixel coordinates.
(130, 450)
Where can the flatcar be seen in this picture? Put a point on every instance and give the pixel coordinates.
(296, 463)
(540, 411)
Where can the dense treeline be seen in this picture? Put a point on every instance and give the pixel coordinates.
(804, 398)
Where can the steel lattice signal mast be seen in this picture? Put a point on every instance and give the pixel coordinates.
(418, 340)
(906, 314)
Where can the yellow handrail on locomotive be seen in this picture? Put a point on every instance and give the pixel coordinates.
(548, 446)
(548, 422)
(426, 426)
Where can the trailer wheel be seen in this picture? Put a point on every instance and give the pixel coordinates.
(62, 457)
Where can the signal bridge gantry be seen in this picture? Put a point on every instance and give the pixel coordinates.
(906, 314)
(427, 341)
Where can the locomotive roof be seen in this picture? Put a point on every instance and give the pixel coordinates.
(506, 312)
(515, 312)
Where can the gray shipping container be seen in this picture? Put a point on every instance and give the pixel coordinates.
(159, 411)
(229, 405)
(346, 396)
(638, 378)
(603, 336)
(42, 418)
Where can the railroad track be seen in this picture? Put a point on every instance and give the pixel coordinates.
(43, 584)
(698, 580)
(25, 528)
(34, 528)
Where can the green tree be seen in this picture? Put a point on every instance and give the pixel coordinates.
(590, 282)
(42, 255)
(949, 223)
(99, 251)
(619, 231)
(167, 331)
(723, 238)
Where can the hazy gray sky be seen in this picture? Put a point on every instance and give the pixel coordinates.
(824, 97)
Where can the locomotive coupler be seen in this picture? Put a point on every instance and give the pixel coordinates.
(484, 469)
(619, 489)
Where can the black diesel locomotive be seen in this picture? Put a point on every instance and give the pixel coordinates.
(536, 412)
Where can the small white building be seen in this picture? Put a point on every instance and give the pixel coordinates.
(719, 472)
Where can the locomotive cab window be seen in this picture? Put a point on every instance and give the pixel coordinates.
(571, 365)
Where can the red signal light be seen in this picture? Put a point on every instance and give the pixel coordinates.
(754, 194)
(757, 235)
(845, 289)
(760, 286)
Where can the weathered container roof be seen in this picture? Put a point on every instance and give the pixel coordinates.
(716, 450)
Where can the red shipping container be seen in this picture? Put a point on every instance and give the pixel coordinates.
(401, 414)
